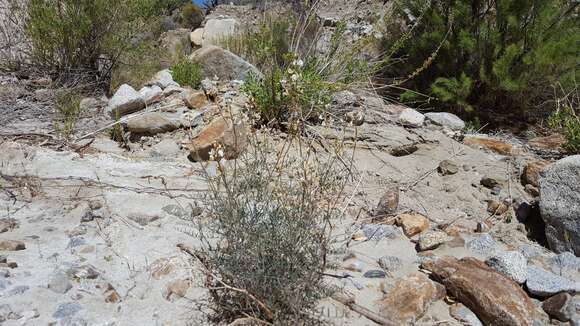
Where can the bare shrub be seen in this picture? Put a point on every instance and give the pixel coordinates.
(266, 237)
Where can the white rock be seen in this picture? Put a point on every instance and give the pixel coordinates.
(151, 94)
(411, 118)
(446, 119)
(163, 79)
(542, 283)
(126, 100)
(196, 37)
(216, 29)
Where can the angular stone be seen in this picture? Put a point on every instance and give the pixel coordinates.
(432, 240)
(152, 123)
(59, 282)
(489, 144)
(375, 273)
(483, 245)
(151, 94)
(560, 204)
(195, 100)
(412, 224)
(176, 42)
(11, 245)
(378, 232)
(176, 289)
(389, 202)
(390, 263)
(494, 298)
(219, 62)
(446, 119)
(410, 297)
(126, 100)
(553, 142)
(7, 224)
(411, 118)
(222, 137)
(561, 307)
(464, 315)
(511, 264)
(542, 283)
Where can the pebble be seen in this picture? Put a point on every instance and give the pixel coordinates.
(379, 232)
(432, 240)
(447, 167)
(375, 273)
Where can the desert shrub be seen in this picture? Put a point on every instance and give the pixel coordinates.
(298, 78)
(67, 104)
(84, 37)
(480, 56)
(566, 120)
(191, 16)
(186, 73)
(266, 235)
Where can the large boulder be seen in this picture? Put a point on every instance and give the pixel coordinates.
(560, 204)
(177, 42)
(126, 100)
(218, 29)
(494, 298)
(219, 62)
(221, 138)
(196, 37)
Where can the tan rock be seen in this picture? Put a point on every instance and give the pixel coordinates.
(11, 245)
(7, 224)
(195, 99)
(553, 142)
(494, 298)
(176, 289)
(389, 202)
(531, 173)
(111, 295)
(412, 224)
(410, 297)
(196, 37)
(496, 207)
(490, 144)
(229, 136)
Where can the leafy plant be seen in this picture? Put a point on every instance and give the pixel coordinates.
(186, 73)
(566, 120)
(490, 56)
(67, 105)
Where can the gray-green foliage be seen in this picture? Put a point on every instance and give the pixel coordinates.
(267, 233)
(186, 73)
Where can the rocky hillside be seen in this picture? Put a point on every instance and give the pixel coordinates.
(439, 227)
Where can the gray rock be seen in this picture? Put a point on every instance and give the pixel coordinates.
(217, 29)
(163, 79)
(175, 210)
(563, 307)
(544, 284)
(84, 272)
(378, 232)
(432, 240)
(464, 315)
(152, 123)
(530, 251)
(59, 282)
(151, 94)
(166, 147)
(176, 42)
(6, 313)
(560, 204)
(446, 119)
(447, 167)
(219, 62)
(18, 290)
(390, 263)
(511, 264)
(375, 273)
(68, 309)
(483, 245)
(565, 262)
(126, 100)
(411, 118)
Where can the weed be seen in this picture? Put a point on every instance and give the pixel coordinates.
(67, 105)
(186, 73)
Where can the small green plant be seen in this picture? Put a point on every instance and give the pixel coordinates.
(567, 121)
(67, 105)
(186, 73)
(191, 16)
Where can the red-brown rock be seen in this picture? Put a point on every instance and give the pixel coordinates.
(531, 173)
(412, 224)
(226, 138)
(490, 144)
(494, 298)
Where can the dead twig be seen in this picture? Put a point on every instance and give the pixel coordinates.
(371, 315)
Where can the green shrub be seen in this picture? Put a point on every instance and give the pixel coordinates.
(500, 56)
(81, 36)
(186, 73)
(298, 81)
(265, 237)
(67, 105)
(568, 122)
(191, 16)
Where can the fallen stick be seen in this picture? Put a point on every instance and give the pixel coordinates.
(371, 315)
